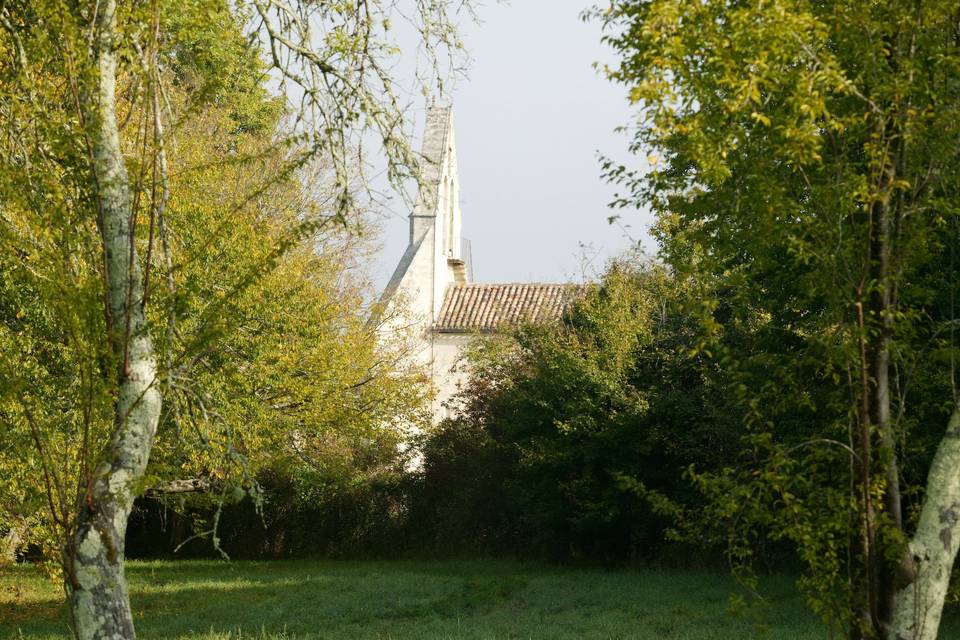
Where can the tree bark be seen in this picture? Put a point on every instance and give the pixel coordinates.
(918, 605)
(93, 558)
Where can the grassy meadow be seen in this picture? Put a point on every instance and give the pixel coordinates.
(210, 600)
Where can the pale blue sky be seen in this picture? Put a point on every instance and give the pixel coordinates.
(530, 119)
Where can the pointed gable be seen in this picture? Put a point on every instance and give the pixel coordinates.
(432, 259)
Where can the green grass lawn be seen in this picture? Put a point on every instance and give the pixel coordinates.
(412, 599)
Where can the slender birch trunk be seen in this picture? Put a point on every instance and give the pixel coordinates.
(93, 558)
(919, 604)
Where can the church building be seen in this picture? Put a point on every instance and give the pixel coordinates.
(432, 288)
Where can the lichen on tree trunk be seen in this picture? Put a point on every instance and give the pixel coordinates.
(93, 557)
(933, 548)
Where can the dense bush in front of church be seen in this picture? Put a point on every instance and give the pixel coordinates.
(571, 434)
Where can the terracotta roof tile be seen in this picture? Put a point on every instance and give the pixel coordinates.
(489, 307)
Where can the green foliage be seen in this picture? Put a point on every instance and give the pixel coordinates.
(459, 504)
(216, 65)
(561, 423)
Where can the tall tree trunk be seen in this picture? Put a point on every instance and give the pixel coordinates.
(882, 309)
(93, 558)
(933, 549)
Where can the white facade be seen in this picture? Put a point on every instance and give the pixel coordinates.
(447, 373)
(433, 261)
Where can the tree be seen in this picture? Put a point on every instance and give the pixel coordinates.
(84, 199)
(804, 154)
(273, 373)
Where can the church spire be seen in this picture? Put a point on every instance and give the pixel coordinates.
(433, 259)
(437, 172)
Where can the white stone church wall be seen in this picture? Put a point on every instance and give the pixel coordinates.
(449, 376)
